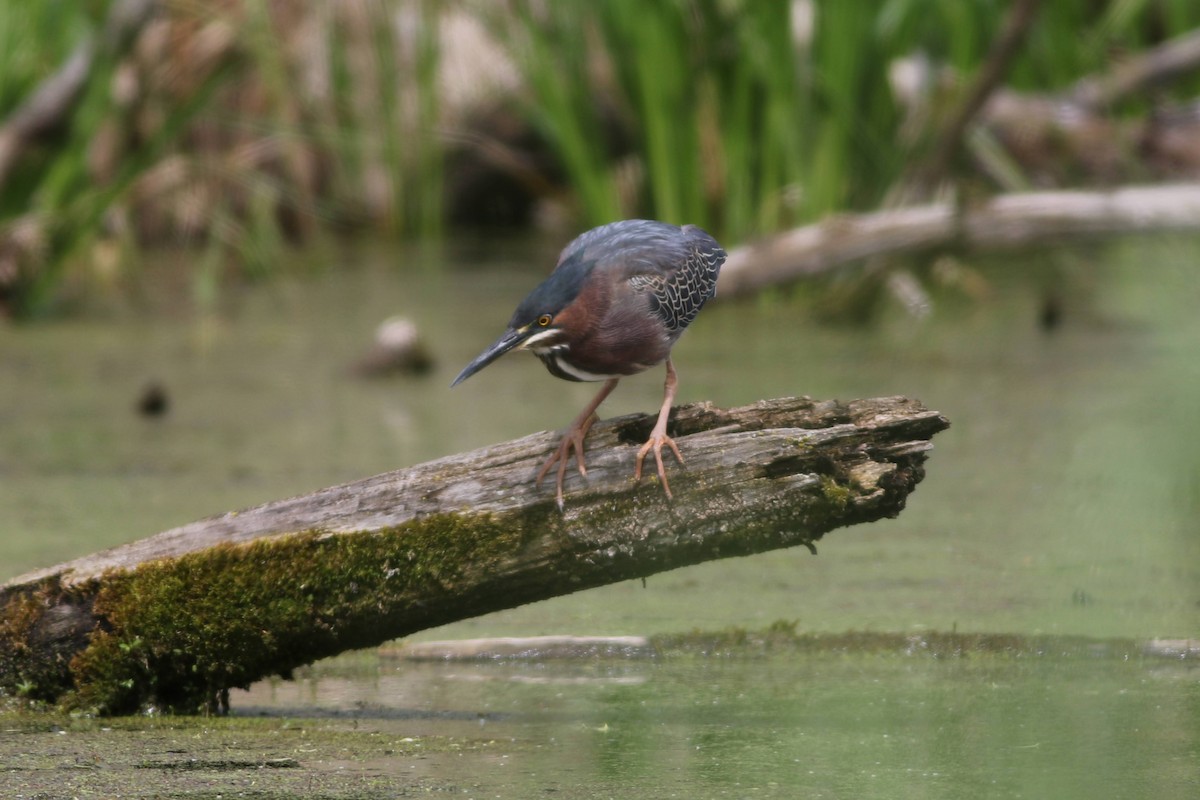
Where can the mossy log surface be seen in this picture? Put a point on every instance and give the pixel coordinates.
(176, 620)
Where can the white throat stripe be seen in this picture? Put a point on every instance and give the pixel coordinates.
(540, 336)
(577, 373)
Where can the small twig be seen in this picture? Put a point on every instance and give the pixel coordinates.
(987, 80)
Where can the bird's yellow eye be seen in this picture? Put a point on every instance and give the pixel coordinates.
(544, 320)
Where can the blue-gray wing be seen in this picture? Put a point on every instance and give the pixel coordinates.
(678, 293)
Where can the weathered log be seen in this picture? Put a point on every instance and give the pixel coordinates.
(175, 620)
(1006, 221)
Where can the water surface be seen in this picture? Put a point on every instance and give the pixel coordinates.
(1039, 723)
(1064, 500)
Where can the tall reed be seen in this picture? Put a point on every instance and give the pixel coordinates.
(738, 125)
(748, 116)
(744, 116)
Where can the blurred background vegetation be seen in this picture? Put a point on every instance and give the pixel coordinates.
(239, 128)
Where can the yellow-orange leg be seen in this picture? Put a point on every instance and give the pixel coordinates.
(573, 438)
(658, 436)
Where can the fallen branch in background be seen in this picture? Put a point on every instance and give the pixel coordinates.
(1157, 66)
(51, 105)
(176, 620)
(1007, 221)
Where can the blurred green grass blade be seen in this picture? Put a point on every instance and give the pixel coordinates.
(552, 50)
(72, 223)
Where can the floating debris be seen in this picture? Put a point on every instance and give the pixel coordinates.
(397, 349)
(153, 400)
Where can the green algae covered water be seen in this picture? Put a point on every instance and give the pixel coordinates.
(1063, 502)
(809, 722)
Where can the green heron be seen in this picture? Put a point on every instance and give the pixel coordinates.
(615, 304)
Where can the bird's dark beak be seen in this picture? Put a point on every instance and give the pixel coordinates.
(509, 340)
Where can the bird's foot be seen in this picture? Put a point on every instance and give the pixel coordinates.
(655, 443)
(571, 440)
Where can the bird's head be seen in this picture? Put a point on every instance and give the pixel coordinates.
(540, 330)
(539, 322)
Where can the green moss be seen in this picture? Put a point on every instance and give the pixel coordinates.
(17, 620)
(33, 660)
(177, 634)
(839, 496)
